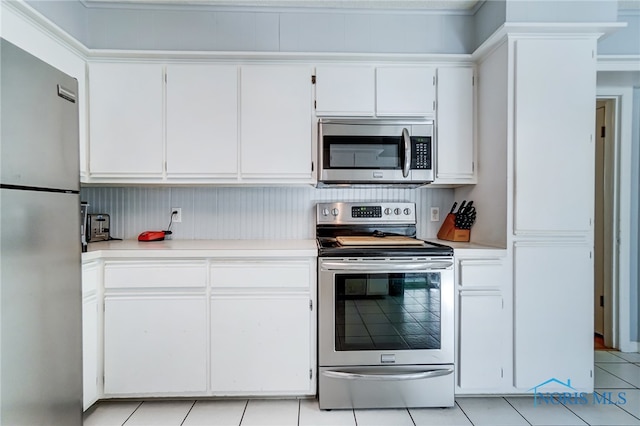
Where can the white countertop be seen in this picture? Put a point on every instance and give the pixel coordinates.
(201, 248)
(458, 246)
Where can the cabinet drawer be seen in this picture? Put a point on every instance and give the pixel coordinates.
(481, 272)
(289, 274)
(154, 274)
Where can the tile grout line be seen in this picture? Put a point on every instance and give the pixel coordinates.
(132, 413)
(298, 423)
(465, 414)
(631, 414)
(411, 417)
(516, 410)
(607, 371)
(188, 412)
(246, 404)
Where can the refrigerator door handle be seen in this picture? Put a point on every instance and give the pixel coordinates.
(66, 94)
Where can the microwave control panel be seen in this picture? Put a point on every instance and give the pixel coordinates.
(421, 152)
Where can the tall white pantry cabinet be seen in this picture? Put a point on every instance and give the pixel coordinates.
(536, 115)
(553, 170)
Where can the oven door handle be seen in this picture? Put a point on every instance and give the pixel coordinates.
(388, 377)
(406, 140)
(387, 266)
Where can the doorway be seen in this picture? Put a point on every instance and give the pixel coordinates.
(604, 223)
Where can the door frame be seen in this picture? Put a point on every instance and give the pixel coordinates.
(620, 115)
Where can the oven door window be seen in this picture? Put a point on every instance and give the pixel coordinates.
(362, 152)
(387, 311)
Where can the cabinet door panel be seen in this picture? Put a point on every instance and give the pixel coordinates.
(454, 127)
(554, 121)
(345, 90)
(260, 344)
(90, 333)
(481, 319)
(276, 130)
(553, 311)
(202, 120)
(126, 119)
(405, 91)
(155, 345)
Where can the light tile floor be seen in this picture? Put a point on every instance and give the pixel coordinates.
(615, 372)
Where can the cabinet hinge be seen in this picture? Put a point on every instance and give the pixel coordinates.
(602, 301)
(434, 80)
(602, 131)
(315, 105)
(502, 373)
(473, 80)
(310, 305)
(165, 166)
(502, 302)
(590, 373)
(313, 79)
(434, 105)
(473, 167)
(312, 166)
(310, 373)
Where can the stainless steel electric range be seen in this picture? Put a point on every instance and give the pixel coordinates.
(386, 315)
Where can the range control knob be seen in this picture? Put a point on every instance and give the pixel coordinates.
(325, 212)
(335, 212)
(396, 211)
(387, 211)
(407, 211)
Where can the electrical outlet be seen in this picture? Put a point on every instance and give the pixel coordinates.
(435, 214)
(177, 218)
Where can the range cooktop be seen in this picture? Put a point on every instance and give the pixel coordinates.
(371, 230)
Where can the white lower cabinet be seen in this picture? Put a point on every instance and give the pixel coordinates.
(155, 344)
(483, 335)
(553, 315)
(260, 343)
(155, 328)
(91, 275)
(481, 363)
(209, 327)
(263, 328)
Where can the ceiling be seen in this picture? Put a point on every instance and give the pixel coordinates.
(441, 5)
(460, 5)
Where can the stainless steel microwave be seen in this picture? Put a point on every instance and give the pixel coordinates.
(363, 152)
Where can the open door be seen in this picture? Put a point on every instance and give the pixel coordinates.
(603, 224)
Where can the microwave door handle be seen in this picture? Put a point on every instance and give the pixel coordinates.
(406, 139)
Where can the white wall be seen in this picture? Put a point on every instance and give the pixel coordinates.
(245, 213)
(625, 41)
(201, 27)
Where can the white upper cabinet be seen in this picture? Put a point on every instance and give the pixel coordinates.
(454, 127)
(126, 120)
(368, 91)
(405, 91)
(276, 127)
(554, 122)
(345, 90)
(202, 121)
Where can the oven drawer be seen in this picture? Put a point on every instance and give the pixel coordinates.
(395, 386)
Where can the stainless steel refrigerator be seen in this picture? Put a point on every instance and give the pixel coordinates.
(40, 266)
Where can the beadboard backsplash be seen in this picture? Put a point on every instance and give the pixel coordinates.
(245, 213)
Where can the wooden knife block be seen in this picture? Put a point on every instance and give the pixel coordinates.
(449, 232)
